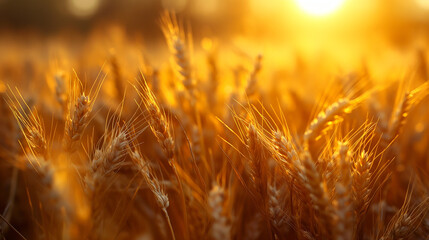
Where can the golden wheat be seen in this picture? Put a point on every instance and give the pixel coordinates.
(232, 155)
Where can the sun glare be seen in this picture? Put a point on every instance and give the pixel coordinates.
(423, 3)
(319, 7)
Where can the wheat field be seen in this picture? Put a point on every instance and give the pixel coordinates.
(109, 146)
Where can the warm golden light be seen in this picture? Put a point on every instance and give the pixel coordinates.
(319, 7)
(423, 3)
(214, 119)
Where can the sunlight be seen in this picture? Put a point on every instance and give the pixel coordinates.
(319, 7)
(423, 3)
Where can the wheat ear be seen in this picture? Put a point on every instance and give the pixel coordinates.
(220, 228)
(105, 162)
(177, 43)
(117, 75)
(343, 207)
(286, 153)
(335, 110)
(258, 164)
(400, 115)
(76, 124)
(157, 120)
(29, 122)
(406, 221)
(319, 197)
(276, 208)
(61, 91)
(41, 175)
(252, 87)
(154, 185)
(361, 182)
(398, 119)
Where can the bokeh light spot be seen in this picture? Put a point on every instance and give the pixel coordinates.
(83, 8)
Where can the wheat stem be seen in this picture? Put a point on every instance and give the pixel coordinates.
(169, 223)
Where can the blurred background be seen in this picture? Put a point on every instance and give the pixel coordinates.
(261, 18)
(349, 31)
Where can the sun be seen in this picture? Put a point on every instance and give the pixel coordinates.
(319, 7)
